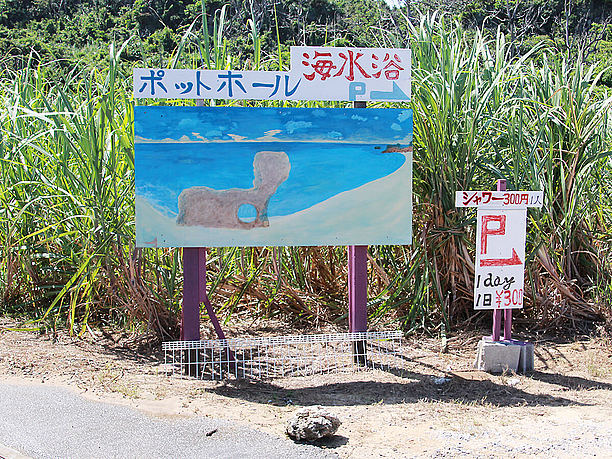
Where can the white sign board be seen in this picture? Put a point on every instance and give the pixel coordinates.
(500, 258)
(317, 73)
(499, 199)
(500, 244)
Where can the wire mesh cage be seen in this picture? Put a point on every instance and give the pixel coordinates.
(282, 356)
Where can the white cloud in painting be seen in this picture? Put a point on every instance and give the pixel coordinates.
(293, 126)
(335, 135)
(359, 118)
(403, 116)
(269, 136)
(197, 135)
(139, 139)
(396, 127)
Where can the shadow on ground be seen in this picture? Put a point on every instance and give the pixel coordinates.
(414, 387)
(570, 382)
(335, 441)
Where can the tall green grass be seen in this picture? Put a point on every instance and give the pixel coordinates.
(481, 117)
(67, 216)
(67, 169)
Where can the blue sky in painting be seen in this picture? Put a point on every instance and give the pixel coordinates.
(366, 125)
(330, 150)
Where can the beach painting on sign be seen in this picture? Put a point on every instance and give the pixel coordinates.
(236, 176)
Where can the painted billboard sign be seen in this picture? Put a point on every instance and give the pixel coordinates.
(234, 176)
(501, 220)
(317, 73)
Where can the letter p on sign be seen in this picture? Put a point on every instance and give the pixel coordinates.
(488, 229)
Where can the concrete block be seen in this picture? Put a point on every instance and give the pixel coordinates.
(497, 356)
(526, 359)
(500, 356)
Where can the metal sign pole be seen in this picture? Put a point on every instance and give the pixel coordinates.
(501, 186)
(194, 290)
(194, 294)
(358, 290)
(497, 313)
(194, 270)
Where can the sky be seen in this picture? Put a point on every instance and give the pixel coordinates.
(395, 3)
(241, 124)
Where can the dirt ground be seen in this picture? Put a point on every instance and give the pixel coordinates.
(438, 407)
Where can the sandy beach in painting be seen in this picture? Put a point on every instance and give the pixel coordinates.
(335, 219)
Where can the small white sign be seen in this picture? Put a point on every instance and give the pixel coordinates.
(499, 199)
(317, 73)
(500, 258)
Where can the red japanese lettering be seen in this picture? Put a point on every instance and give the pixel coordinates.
(351, 60)
(391, 69)
(322, 65)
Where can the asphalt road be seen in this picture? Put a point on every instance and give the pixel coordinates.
(50, 422)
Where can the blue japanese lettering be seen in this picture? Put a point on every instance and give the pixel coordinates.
(153, 79)
(232, 78)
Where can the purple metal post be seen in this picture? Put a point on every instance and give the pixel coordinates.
(358, 287)
(194, 294)
(497, 314)
(358, 290)
(358, 279)
(507, 324)
(194, 270)
(507, 312)
(358, 298)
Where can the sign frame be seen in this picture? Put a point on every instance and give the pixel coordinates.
(317, 73)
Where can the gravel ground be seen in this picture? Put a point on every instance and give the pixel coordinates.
(568, 438)
(432, 405)
(50, 422)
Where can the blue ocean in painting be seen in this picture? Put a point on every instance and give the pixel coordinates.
(318, 171)
(330, 150)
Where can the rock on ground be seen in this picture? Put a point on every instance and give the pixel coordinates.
(312, 423)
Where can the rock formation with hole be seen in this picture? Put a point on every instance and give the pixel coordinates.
(204, 206)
